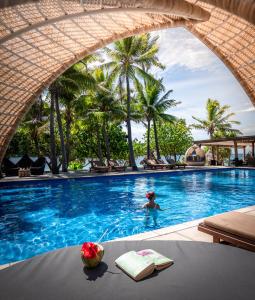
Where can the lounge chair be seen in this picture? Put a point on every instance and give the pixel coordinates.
(167, 165)
(37, 167)
(180, 165)
(251, 161)
(25, 162)
(97, 166)
(235, 228)
(236, 162)
(153, 164)
(170, 161)
(9, 168)
(115, 166)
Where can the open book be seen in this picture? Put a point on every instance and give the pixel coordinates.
(140, 264)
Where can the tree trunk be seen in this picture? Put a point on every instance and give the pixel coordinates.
(148, 138)
(120, 90)
(36, 142)
(100, 155)
(61, 135)
(53, 157)
(156, 139)
(1, 174)
(213, 155)
(40, 108)
(107, 142)
(68, 129)
(130, 142)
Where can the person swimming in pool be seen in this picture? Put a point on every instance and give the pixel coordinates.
(151, 208)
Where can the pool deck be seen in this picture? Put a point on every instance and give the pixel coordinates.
(183, 232)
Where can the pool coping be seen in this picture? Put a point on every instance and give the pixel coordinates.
(88, 175)
(158, 233)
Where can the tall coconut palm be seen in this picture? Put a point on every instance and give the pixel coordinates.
(218, 120)
(35, 121)
(86, 111)
(154, 106)
(55, 90)
(53, 156)
(106, 102)
(102, 106)
(65, 87)
(80, 78)
(128, 59)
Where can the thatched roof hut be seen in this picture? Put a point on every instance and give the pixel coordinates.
(195, 156)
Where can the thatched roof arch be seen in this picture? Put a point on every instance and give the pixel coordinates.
(40, 39)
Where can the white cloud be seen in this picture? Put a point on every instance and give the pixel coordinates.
(249, 109)
(180, 47)
(198, 81)
(248, 130)
(138, 130)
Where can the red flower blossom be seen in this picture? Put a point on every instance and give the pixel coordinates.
(89, 250)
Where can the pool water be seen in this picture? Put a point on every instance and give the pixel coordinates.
(40, 216)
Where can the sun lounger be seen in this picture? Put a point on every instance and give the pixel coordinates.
(9, 168)
(171, 161)
(181, 165)
(25, 162)
(178, 165)
(115, 166)
(167, 165)
(97, 166)
(37, 167)
(152, 164)
(235, 228)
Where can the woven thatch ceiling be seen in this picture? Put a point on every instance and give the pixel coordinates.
(42, 38)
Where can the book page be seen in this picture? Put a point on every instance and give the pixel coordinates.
(134, 264)
(158, 259)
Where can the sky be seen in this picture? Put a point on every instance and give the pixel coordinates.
(195, 73)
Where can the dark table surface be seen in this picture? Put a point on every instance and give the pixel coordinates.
(200, 271)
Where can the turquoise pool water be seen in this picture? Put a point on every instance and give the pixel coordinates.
(46, 215)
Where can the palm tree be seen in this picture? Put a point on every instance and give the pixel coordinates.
(128, 60)
(87, 112)
(217, 120)
(35, 121)
(66, 87)
(154, 106)
(80, 79)
(108, 104)
(55, 90)
(101, 106)
(53, 156)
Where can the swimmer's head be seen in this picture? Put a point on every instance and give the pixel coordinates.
(150, 195)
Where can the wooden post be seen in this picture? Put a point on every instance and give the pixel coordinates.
(252, 149)
(244, 153)
(217, 154)
(235, 148)
(216, 239)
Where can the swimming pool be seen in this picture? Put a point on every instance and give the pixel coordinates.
(40, 216)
